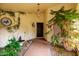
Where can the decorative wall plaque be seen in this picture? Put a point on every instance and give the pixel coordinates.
(6, 21)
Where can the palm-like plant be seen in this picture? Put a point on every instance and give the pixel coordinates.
(63, 19)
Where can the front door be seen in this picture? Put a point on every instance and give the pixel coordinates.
(39, 29)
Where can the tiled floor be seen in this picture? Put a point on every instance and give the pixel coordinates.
(40, 47)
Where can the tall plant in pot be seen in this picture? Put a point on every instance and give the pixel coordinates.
(61, 24)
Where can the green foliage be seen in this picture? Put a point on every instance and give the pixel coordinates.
(63, 19)
(62, 15)
(11, 49)
(55, 40)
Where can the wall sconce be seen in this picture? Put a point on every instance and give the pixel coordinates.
(33, 24)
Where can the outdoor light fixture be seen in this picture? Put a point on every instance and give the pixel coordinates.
(38, 10)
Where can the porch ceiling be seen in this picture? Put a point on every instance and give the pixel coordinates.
(30, 7)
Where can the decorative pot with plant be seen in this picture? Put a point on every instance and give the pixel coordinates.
(61, 24)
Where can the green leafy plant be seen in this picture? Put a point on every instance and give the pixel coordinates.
(12, 49)
(55, 40)
(63, 19)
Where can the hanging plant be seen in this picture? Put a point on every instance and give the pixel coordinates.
(62, 19)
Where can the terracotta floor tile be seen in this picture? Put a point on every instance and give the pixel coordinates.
(38, 48)
(43, 48)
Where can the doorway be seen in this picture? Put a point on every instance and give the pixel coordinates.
(39, 30)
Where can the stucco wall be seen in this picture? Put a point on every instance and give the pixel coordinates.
(26, 31)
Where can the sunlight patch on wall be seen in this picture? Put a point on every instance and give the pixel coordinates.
(76, 26)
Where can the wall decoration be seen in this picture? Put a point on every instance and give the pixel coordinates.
(6, 21)
(11, 13)
(33, 24)
(15, 26)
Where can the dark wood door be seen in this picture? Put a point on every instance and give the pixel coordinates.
(39, 29)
